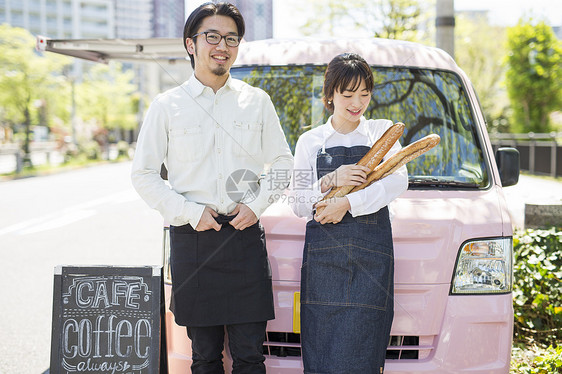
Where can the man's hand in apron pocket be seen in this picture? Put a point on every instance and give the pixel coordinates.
(245, 217)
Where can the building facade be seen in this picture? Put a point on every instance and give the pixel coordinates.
(168, 19)
(133, 19)
(61, 18)
(258, 15)
(92, 19)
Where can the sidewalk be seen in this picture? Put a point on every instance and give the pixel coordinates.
(531, 189)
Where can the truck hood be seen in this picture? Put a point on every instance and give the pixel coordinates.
(429, 227)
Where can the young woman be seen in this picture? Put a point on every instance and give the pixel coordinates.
(348, 265)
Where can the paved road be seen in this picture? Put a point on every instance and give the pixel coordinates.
(531, 190)
(89, 216)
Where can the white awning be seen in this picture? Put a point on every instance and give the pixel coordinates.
(103, 50)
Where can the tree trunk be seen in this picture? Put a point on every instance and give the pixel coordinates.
(26, 151)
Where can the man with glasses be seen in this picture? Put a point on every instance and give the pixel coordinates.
(216, 135)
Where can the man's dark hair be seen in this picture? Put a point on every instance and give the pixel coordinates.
(345, 72)
(211, 9)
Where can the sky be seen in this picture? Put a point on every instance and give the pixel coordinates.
(508, 12)
(501, 12)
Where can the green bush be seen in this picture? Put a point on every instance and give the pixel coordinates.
(91, 150)
(537, 287)
(537, 360)
(122, 149)
(71, 152)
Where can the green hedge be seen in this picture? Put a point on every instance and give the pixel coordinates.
(536, 360)
(537, 287)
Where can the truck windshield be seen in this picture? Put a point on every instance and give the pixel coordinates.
(426, 101)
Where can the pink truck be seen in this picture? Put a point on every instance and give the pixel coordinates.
(452, 231)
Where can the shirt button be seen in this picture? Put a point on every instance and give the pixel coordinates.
(218, 150)
(222, 201)
(217, 125)
(220, 176)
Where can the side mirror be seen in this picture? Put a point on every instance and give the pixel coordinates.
(507, 160)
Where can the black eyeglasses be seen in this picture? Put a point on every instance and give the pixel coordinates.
(215, 38)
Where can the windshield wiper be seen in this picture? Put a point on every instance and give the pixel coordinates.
(440, 183)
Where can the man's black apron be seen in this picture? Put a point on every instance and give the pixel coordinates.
(346, 285)
(220, 277)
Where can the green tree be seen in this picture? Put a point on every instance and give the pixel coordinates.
(534, 75)
(106, 96)
(392, 19)
(397, 19)
(327, 15)
(28, 82)
(480, 50)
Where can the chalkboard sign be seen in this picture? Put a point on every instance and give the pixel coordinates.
(108, 320)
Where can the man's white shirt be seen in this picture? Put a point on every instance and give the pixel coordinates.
(210, 143)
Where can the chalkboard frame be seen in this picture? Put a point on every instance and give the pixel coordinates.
(153, 276)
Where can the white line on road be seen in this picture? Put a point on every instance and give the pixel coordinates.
(68, 215)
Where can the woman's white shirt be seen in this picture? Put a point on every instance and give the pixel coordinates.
(304, 190)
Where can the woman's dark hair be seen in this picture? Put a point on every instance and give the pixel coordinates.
(345, 73)
(207, 10)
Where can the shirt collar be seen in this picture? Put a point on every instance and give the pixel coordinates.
(361, 128)
(196, 88)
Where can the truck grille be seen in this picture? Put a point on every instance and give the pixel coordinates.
(284, 344)
(409, 347)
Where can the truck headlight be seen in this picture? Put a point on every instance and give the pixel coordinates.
(484, 266)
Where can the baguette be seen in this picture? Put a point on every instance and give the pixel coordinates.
(399, 159)
(374, 156)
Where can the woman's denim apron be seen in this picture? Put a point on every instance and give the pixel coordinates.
(347, 285)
